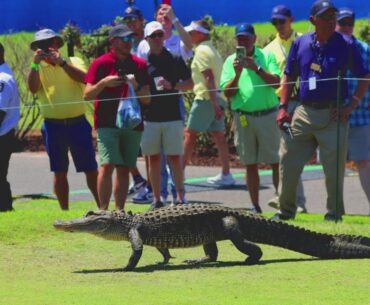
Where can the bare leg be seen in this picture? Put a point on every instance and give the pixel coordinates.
(178, 175)
(189, 145)
(155, 175)
(223, 150)
(253, 183)
(121, 186)
(275, 175)
(105, 185)
(92, 183)
(61, 189)
(364, 173)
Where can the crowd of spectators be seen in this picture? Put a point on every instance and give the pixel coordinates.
(284, 98)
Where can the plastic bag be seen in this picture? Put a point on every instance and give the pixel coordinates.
(129, 113)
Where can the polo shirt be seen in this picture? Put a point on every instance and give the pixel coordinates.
(164, 105)
(334, 56)
(361, 115)
(205, 57)
(59, 96)
(280, 48)
(253, 94)
(9, 99)
(106, 103)
(173, 44)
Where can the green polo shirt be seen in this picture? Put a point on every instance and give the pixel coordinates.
(253, 94)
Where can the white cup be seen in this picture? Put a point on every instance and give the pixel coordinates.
(156, 81)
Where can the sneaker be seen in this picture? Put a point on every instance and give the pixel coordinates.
(156, 205)
(331, 217)
(165, 200)
(302, 210)
(144, 196)
(136, 187)
(279, 217)
(256, 210)
(274, 203)
(223, 180)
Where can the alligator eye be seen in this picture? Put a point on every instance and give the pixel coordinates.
(89, 213)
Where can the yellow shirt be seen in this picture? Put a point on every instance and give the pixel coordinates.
(280, 48)
(58, 88)
(205, 57)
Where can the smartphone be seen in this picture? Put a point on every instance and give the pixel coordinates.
(240, 52)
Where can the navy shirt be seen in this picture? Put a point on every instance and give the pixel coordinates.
(164, 105)
(332, 57)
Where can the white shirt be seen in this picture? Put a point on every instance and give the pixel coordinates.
(9, 99)
(173, 44)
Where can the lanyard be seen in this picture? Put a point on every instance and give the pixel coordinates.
(282, 49)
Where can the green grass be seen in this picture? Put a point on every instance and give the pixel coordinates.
(40, 265)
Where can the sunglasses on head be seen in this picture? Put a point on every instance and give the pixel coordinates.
(278, 21)
(130, 19)
(155, 35)
(346, 23)
(129, 38)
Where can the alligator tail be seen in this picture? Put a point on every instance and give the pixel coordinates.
(280, 234)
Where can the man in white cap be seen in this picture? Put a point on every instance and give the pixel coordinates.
(164, 128)
(206, 114)
(59, 84)
(9, 117)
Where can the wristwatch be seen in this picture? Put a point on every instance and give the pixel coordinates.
(283, 106)
(259, 69)
(64, 62)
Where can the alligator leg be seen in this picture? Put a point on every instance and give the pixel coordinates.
(211, 252)
(166, 255)
(233, 232)
(137, 249)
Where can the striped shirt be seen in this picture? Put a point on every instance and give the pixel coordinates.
(361, 115)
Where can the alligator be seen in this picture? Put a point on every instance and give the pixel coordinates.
(191, 225)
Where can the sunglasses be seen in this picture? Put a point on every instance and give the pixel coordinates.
(130, 19)
(327, 17)
(278, 21)
(346, 23)
(129, 38)
(155, 35)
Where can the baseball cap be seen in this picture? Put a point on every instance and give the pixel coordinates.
(244, 29)
(120, 30)
(193, 26)
(321, 6)
(152, 27)
(345, 13)
(44, 35)
(281, 12)
(132, 11)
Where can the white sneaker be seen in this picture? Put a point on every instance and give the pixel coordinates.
(220, 179)
(144, 196)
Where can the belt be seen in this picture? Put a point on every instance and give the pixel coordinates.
(319, 105)
(69, 121)
(258, 113)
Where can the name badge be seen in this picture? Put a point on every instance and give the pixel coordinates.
(312, 83)
(243, 120)
(315, 67)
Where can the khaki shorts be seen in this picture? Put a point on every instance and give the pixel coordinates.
(118, 146)
(170, 135)
(202, 117)
(259, 141)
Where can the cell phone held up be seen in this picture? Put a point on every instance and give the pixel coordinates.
(241, 53)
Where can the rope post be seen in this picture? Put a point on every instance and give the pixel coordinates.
(339, 80)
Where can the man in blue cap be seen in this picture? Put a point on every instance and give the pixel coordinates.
(249, 82)
(134, 19)
(317, 58)
(282, 19)
(359, 120)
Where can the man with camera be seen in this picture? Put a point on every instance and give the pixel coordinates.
(282, 19)
(249, 79)
(59, 84)
(9, 117)
(106, 82)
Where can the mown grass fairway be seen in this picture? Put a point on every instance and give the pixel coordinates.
(41, 266)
